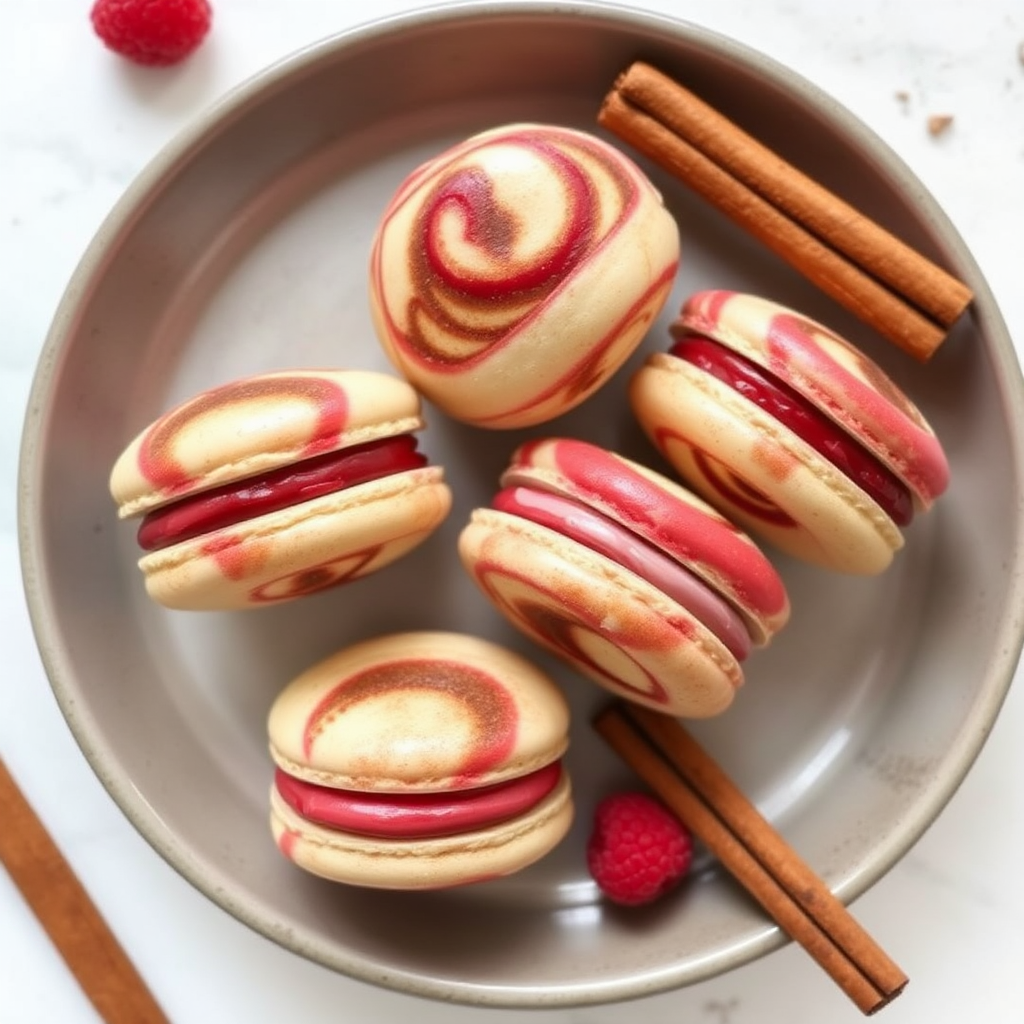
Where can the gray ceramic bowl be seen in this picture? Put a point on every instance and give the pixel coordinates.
(243, 248)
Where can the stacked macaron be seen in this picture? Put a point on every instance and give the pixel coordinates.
(419, 761)
(277, 486)
(512, 274)
(790, 431)
(630, 578)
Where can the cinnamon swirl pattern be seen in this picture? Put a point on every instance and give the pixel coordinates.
(513, 274)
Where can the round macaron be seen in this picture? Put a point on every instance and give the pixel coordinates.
(511, 275)
(629, 577)
(419, 761)
(789, 430)
(278, 485)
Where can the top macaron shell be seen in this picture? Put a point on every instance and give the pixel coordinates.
(759, 472)
(255, 425)
(418, 712)
(268, 422)
(614, 626)
(514, 273)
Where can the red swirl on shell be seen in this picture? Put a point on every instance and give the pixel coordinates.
(787, 326)
(735, 491)
(557, 622)
(479, 696)
(314, 578)
(156, 458)
(586, 375)
(689, 534)
(452, 286)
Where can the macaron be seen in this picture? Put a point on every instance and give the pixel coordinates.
(514, 273)
(790, 431)
(419, 761)
(277, 486)
(630, 578)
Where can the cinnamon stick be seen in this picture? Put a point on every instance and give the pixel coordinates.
(692, 785)
(885, 282)
(67, 914)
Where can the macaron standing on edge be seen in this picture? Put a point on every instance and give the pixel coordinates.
(419, 761)
(278, 485)
(514, 273)
(630, 578)
(790, 431)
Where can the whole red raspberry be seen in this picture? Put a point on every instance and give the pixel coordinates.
(153, 32)
(638, 850)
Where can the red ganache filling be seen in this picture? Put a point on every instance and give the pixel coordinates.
(416, 815)
(596, 531)
(798, 414)
(240, 500)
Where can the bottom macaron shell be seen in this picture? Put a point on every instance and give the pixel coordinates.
(757, 472)
(437, 863)
(614, 627)
(302, 549)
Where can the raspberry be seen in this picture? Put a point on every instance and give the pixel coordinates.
(638, 850)
(153, 32)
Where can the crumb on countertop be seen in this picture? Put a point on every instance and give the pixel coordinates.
(939, 123)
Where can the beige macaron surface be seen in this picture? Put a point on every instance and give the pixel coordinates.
(763, 473)
(236, 443)
(404, 719)
(512, 274)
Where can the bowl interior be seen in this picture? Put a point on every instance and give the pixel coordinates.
(244, 248)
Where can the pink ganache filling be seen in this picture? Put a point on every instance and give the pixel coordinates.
(416, 815)
(599, 533)
(235, 502)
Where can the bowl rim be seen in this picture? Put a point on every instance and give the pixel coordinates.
(161, 169)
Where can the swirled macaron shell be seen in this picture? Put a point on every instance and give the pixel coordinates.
(418, 712)
(257, 424)
(300, 550)
(759, 472)
(414, 714)
(514, 273)
(614, 627)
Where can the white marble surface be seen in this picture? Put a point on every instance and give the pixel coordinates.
(76, 125)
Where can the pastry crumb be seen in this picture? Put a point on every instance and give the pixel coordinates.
(939, 123)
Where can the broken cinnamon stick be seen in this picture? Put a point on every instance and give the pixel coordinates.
(696, 789)
(885, 282)
(67, 914)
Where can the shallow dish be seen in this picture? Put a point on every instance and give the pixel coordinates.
(244, 248)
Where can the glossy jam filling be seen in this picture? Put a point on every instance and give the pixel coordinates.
(790, 408)
(281, 488)
(599, 533)
(416, 815)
